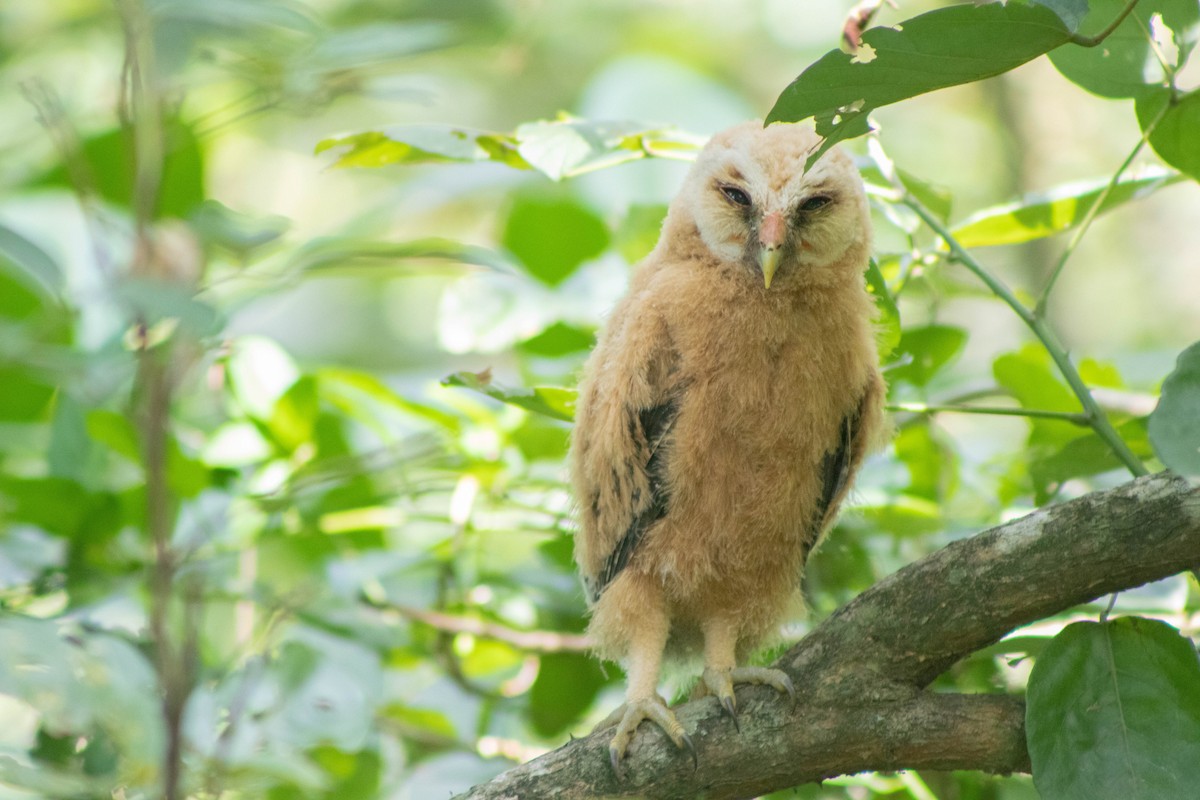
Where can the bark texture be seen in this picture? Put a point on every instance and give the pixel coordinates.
(862, 674)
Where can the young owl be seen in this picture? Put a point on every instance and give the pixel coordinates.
(723, 414)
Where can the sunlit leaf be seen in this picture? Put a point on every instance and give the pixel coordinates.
(1030, 377)
(1175, 423)
(1114, 712)
(25, 395)
(259, 373)
(887, 325)
(551, 401)
(553, 235)
(1044, 214)
(945, 47)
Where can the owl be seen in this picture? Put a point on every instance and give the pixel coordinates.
(722, 416)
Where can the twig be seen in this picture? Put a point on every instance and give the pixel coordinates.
(925, 408)
(532, 641)
(1092, 412)
(1092, 212)
(1092, 41)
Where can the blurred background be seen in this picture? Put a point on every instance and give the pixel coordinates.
(376, 578)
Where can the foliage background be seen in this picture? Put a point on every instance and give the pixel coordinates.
(366, 589)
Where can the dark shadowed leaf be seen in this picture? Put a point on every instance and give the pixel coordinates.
(565, 687)
(1175, 423)
(1046, 213)
(1114, 713)
(945, 47)
(1125, 64)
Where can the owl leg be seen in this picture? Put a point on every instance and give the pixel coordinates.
(647, 640)
(720, 673)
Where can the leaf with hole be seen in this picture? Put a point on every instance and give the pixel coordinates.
(945, 47)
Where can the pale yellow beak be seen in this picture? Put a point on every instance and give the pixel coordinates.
(768, 260)
(771, 236)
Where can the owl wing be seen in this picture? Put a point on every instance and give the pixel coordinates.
(843, 458)
(622, 438)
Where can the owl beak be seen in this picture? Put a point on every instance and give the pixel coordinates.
(770, 243)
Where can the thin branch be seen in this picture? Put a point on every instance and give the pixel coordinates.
(864, 670)
(531, 641)
(1093, 211)
(1003, 411)
(1092, 41)
(1095, 416)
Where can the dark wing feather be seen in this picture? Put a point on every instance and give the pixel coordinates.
(651, 428)
(837, 466)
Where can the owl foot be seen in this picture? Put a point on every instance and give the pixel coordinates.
(719, 683)
(629, 715)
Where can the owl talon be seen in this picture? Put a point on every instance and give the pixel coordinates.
(729, 703)
(629, 716)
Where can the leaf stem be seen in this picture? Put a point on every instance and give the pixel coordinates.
(1092, 41)
(1002, 411)
(1091, 411)
(1093, 211)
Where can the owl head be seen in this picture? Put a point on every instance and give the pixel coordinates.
(753, 203)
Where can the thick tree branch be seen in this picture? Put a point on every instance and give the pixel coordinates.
(862, 673)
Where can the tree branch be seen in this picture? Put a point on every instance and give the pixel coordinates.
(862, 673)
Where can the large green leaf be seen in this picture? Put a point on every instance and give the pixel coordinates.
(1043, 214)
(1029, 377)
(30, 263)
(550, 401)
(1176, 133)
(1175, 423)
(1114, 713)
(1126, 63)
(945, 47)
(553, 235)
(887, 325)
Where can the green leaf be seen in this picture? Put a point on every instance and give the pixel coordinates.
(25, 395)
(887, 325)
(1176, 135)
(1125, 64)
(1175, 423)
(109, 159)
(1043, 214)
(931, 461)
(945, 47)
(550, 401)
(259, 373)
(560, 339)
(565, 687)
(558, 149)
(151, 301)
(70, 445)
(931, 348)
(639, 230)
(295, 414)
(1030, 378)
(552, 236)
(30, 264)
(1114, 712)
(936, 199)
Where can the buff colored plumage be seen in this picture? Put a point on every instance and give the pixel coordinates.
(724, 411)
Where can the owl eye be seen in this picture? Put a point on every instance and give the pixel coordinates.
(736, 195)
(813, 203)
